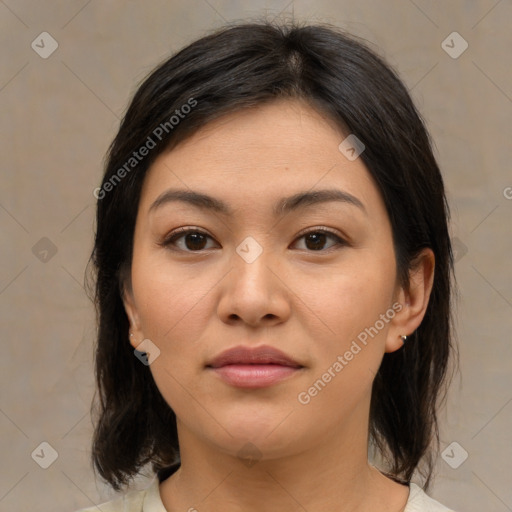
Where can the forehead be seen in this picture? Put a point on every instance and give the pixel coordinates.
(259, 155)
(282, 131)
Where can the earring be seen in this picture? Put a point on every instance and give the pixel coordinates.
(403, 337)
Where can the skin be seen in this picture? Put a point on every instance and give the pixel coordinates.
(201, 298)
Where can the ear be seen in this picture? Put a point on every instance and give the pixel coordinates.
(414, 300)
(132, 313)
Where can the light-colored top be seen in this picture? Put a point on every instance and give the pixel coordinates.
(148, 500)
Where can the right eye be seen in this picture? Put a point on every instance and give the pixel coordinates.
(193, 243)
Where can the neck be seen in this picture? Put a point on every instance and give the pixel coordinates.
(331, 475)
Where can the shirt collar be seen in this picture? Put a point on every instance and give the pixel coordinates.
(152, 500)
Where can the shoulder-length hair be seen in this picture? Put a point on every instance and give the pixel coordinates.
(242, 66)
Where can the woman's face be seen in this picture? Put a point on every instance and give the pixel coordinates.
(252, 276)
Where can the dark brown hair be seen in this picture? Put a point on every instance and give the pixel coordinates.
(237, 67)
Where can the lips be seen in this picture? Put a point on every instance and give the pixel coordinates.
(253, 368)
(263, 355)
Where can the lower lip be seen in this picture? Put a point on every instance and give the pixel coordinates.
(254, 375)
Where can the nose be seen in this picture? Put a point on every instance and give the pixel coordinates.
(255, 292)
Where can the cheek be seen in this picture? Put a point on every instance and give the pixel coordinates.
(168, 298)
(346, 300)
(349, 326)
(173, 309)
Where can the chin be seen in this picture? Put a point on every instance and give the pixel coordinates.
(269, 438)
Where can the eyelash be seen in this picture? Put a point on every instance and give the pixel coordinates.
(181, 232)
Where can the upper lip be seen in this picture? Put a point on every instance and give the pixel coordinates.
(263, 354)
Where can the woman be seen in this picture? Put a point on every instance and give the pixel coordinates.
(273, 281)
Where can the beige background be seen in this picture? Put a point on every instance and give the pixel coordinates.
(59, 115)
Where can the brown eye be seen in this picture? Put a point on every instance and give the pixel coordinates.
(194, 240)
(315, 240)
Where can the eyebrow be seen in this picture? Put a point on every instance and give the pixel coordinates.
(282, 207)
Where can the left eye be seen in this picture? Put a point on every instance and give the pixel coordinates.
(318, 237)
(195, 239)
